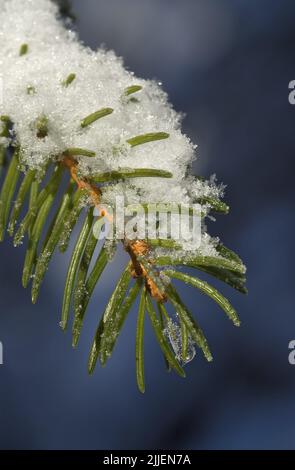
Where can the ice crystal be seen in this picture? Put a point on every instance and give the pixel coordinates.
(173, 333)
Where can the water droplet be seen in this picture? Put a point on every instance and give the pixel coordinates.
(173, 333)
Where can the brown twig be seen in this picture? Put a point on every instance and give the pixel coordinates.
(133, 248)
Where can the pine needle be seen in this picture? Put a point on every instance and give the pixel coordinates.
(95, 116)
(118, 320)
(91, 282)
(2, 158)
(71, 219)
(146, 138)
(35, 237)
(203, 261)
(51, 187)
(164, 345)
(132, 89)
(7, 192)
(187, 318)
(163, 317)
(110, 319)
(215, 204)
(205, 288)
(139, 350)
(20, 199)
(99, 344)
(127, 173)
(73, 267)
(50, 242)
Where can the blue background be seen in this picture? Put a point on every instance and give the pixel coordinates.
(227, 64)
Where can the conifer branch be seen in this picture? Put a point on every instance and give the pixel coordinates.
(78, 162)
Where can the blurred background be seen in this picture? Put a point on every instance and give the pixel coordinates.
(227, 65)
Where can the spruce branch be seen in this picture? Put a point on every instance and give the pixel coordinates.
(68, 162)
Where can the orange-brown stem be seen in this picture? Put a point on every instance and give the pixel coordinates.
(93, 191)
(141, 248)
(134, 248)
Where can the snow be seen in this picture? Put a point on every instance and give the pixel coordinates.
(50, 77)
